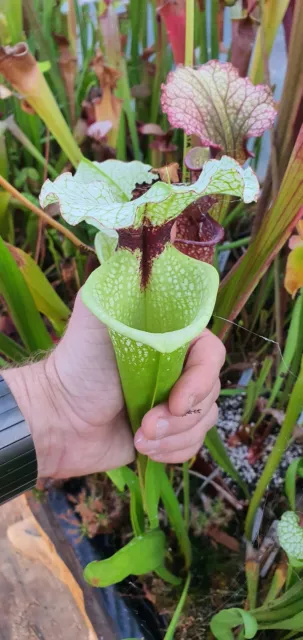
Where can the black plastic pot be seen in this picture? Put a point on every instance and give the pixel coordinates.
(115, 613)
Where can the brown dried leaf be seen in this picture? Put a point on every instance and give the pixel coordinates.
(107, 107)
(68, 68)
(19, 67)
(112, 40)
(169, 173)
(221, 537)
(107, 76)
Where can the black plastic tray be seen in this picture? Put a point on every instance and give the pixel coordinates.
(116, 613)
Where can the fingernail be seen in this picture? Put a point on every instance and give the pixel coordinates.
(139, 437)
(146, 446)
(192, 401)
(162, 427)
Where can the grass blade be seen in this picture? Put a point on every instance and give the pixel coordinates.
(214, 38)
(175, 619)
(254, 390)
(24, 140)
(124, 93)
(124, 476)
(174, 514)
(5, 215)
(290, 348)
(294, 408)
(161, 41)
(218, 452)
(189, 60)
(273, 15)
(135, 13)
(277, 584)
(47, 50)
(152, 491)
(3, 153)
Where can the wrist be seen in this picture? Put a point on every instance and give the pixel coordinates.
(32, 390)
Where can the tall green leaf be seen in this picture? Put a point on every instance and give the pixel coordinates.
(273, 16)
(123, 477)
(47, 49)
(218, 452)
(254, 390)
(125, 95)
(135, 12)
(4, 168)
(5, 216)
(45, 297)
(215, 36)
(293, 595)
(153, 478)
(294, 408)
(28, 145)
(295, 622)
(20, 304)
(288, 113)
(175, 619)
(11, 349)
(12, 10)
(291, 345)
(174, 514)
(276, 228)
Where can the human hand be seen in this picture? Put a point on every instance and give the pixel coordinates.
(74, 405)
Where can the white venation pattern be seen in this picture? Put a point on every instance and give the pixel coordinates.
(290, 535)
(102, 203)
(214, 103)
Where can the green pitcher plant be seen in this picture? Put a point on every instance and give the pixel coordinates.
(155, 291)
(290, 535)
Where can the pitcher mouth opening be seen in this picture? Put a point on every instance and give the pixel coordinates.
(164, 342)
(18, 50)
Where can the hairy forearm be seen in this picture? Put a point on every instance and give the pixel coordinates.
(34, 394)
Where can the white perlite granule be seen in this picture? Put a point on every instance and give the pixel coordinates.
(230, 414)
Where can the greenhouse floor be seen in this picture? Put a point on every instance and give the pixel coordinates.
(35, 605)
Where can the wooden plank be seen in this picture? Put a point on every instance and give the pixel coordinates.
(99, 624)
(35, 605)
